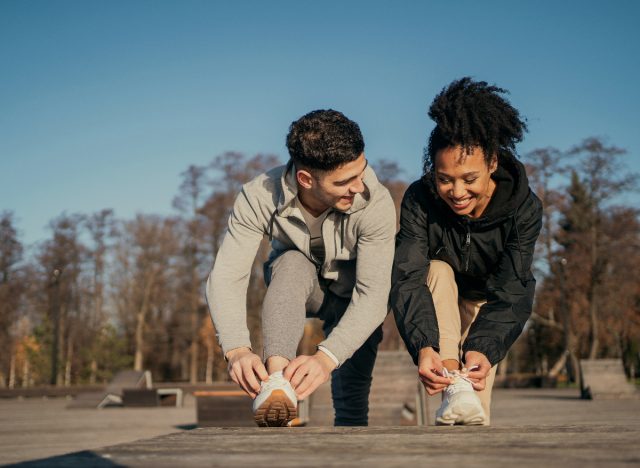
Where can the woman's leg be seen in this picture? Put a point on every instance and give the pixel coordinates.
(468, 313)
(441, 282)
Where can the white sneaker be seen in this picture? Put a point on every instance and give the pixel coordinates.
(276, 404)
(460, 404)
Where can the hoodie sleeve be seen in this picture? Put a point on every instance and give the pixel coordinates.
(227, 284)
(510, 289)
(410, 298)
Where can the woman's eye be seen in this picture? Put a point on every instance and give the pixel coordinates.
(470, 181)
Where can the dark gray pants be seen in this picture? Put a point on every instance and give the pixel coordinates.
(293, 293)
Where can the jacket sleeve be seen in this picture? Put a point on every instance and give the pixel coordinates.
(374, 258)
(226, 290)
(410, 298)
(510, 290)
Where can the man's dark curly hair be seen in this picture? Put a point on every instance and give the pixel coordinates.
(471, 113)
(324, 140)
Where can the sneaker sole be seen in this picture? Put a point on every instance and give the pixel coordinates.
(276, 411)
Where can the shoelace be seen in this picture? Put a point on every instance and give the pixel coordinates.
(460, 381)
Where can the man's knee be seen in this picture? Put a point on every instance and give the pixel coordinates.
(293, 264)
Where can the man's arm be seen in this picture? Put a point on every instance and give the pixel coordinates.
(226, 294)
(368, 306)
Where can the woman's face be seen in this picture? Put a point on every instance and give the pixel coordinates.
(464, 181)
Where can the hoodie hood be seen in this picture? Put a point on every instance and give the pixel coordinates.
(512, 189)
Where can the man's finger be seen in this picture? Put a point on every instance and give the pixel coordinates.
(313, 385)
(250, 377)
(298, 375)
(245, 386)
(291, 368)
(260, 370)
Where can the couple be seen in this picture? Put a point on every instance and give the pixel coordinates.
(457, 275)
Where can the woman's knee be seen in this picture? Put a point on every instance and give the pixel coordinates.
(440, 269)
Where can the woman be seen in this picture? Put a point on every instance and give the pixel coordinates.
(468, 227)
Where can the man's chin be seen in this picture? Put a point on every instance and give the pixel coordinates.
(343, 205)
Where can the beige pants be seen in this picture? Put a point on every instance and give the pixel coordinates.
(455, 316)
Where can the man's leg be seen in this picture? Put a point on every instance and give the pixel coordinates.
(292, 292)
(468, 313)
(292, 289)
(351, 382)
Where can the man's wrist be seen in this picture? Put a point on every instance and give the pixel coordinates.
(327, 360)
(236, 351)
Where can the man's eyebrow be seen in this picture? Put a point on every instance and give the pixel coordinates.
(366, 164)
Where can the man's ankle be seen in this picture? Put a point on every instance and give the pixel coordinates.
(276, 363)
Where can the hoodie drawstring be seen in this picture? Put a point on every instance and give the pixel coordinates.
(342, 232)
(271, 220)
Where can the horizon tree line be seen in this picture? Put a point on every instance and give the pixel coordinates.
(103, 294)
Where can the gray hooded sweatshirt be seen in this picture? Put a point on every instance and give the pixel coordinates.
(359, 248)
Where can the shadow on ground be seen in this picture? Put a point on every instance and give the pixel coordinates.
(76, 459)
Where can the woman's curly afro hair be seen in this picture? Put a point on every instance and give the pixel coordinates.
(471, 113)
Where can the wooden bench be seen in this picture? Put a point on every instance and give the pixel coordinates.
(604, 378)
(224, 408)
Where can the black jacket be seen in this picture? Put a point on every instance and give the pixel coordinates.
(491, 257)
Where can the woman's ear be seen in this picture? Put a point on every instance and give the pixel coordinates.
(493, 166)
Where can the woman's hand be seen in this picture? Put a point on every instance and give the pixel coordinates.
(478, 367)
(430, 371)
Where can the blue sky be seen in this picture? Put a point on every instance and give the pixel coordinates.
(104, 103)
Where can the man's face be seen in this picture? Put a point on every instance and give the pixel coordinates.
(337, 188)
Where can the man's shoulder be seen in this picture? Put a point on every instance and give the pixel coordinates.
(265, 185)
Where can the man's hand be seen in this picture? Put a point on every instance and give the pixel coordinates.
(478, 367)
(306, 373)
(245, 368)
(430, 371)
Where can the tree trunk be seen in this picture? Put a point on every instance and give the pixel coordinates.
(140, 318)
(208, 375)
(593, 319)
(67, 365)
(12, 371)
(94, 372)
(559, 365)
(26, 374)
(193, 364)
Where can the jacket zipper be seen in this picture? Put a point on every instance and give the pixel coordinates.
(467, 244)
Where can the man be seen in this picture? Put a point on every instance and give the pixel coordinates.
(331, 225)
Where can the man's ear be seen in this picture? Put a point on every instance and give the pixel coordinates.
(304, 178)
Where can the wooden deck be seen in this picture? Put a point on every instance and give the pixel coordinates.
(530, 428)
